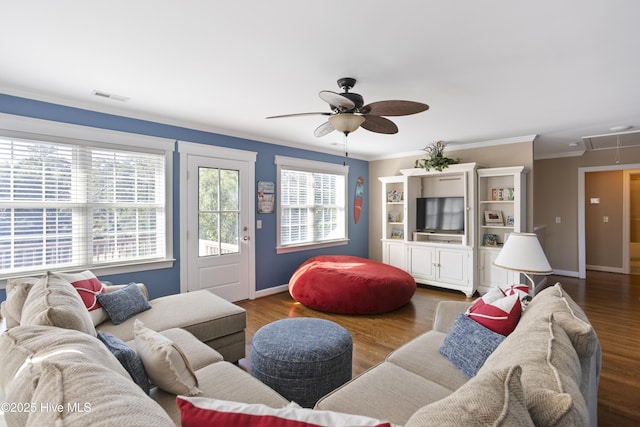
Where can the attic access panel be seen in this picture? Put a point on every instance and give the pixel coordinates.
(610, 140)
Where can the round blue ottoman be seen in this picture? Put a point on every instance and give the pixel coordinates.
(302, 358)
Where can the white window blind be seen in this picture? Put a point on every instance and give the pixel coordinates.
(65, 205)
(312, 204)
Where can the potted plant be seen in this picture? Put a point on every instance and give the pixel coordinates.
(436, 158)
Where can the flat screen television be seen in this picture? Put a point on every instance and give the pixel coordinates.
(440, 214)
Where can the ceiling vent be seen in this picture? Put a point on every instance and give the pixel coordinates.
(611, 140)
(113, 96)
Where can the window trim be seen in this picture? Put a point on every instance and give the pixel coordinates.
(310, 166)
(50, 131)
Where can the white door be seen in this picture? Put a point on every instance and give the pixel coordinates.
(219, 251)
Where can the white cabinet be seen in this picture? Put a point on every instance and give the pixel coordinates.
(442, 266)
(489, 275)
(395, 253)
(501, 193)
(432, 258)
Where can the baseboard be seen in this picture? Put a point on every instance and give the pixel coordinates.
(605, 268)
(270, 291)
(567, 273)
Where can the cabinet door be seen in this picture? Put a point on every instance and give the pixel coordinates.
(490, 275)
(394, 254)
(422, 263)
(452, 266)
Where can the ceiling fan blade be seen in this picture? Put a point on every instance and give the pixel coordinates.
(323, 129)
(337, 100)
(298, 114)
(394, 108)
(379, 125)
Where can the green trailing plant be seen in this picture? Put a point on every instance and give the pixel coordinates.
(436, 159)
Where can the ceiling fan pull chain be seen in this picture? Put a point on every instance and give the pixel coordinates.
(346, 153)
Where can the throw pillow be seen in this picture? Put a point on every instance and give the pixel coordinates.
(87, 285)
(500, 315)
(54, 302)
(495, 398)
(200, 411)
(128, 357)
(468, 344)
(16, 291)
(164, 361)
(123, 303)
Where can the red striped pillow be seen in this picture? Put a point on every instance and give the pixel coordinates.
(87, 285)
(201, 411)
(501, 314)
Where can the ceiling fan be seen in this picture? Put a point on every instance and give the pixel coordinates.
(348, 111)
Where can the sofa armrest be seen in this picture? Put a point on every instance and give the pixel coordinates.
(143, 288)
(446, 313)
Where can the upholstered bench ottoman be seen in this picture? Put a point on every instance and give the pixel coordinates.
(302, 358)
(350, 285)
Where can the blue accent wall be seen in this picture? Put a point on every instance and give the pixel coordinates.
(271, 269)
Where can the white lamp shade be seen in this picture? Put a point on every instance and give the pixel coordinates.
(346, 122)
(522, 252)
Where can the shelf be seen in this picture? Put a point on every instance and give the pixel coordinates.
(395, 203)
(496, 201)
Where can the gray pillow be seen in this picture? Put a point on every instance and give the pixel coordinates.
(468, 344)
(123, 303)
(129, 359)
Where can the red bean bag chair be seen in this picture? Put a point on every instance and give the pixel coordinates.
(350, 285)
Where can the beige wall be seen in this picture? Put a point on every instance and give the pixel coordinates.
(519, 154)
(606, 186)
(556, 195)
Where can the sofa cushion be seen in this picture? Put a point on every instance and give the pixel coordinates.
(25, 344)
(87, 285)
(165, 363)
(128, 358)
(550, 372)
(421, 356)
(197, 353)
(386, 392)
(226, 381)
(124, 303)
(54, 302)
(568, 314)
(205, 315)
(495, 398)
(497, 312)
(81, 393)
(201, 411)
(17, 290)
(468, 344)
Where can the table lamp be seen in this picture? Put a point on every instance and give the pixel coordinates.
(522, 253)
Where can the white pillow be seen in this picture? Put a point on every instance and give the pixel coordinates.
(165, 363)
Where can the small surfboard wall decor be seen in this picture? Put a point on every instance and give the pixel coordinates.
(359, 195)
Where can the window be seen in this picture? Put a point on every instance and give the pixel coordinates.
(311, 204)
(72, 205)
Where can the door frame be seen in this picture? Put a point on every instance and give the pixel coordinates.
(186, 149)
(582, 237)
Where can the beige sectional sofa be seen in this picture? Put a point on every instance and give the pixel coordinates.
(544, 373)
(50, 356)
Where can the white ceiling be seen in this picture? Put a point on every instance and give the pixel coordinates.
(490, 70)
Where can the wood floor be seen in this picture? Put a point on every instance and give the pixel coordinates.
(612, 302)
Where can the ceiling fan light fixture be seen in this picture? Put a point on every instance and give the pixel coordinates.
(346, 122)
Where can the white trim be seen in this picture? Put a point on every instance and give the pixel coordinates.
(582, 256)
(271, 291)
(190, 148)
(217, 152)
(28, 125)
(312, 167)
(53, 131)
(323, 167)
